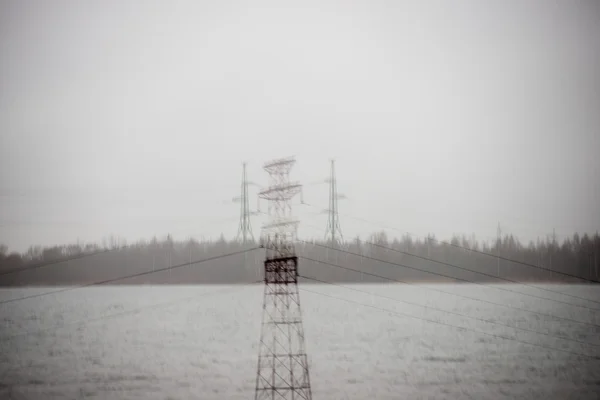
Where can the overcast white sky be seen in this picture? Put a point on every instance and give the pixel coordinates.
(133, 117)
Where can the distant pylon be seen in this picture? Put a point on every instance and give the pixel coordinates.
(245, 227)
(333, 232)
(282, 371)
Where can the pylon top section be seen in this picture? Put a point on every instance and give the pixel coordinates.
(280, 165)
(280, 189)
(280, 232)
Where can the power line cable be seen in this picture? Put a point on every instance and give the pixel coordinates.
(68, 289)
(64, 260)
(454, 294)
(489, 321)
(472, 250)
(127, 312)
(594, 357)
(488, 275)
(457, 279)
(86, 255)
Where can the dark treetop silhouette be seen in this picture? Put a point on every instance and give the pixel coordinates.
(575, 260)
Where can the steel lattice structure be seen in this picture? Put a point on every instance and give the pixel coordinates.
(282, 371)
(333, 218)
(245, 228)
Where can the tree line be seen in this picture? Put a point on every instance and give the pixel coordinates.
(74, 264)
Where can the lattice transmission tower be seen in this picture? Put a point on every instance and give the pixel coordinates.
(245, 227)
(282, 362)
(333, 231)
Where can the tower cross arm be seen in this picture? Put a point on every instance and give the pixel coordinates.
(281, 162)
(286, 191)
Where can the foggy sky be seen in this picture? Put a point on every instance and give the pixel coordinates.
(133, 117)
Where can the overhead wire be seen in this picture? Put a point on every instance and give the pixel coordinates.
(68, 289)
(455, 326)
(452, 294)
(355, 254)
(452, 277)
(84, 255)
(489, 321)
(63, 260)
(126, 312)
(497, 256)
(483, 274)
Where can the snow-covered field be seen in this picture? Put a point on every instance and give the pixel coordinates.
(200, 342)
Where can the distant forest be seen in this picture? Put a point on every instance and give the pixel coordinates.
(577, 256)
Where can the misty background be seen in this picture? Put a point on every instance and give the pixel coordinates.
(132, 118)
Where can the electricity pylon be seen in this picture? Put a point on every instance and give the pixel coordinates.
(282, 371)
(245, 227)
(333, 220)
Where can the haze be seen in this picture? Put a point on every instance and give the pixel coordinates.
(133, 117)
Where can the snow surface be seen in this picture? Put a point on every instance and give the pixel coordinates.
(200, 342)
